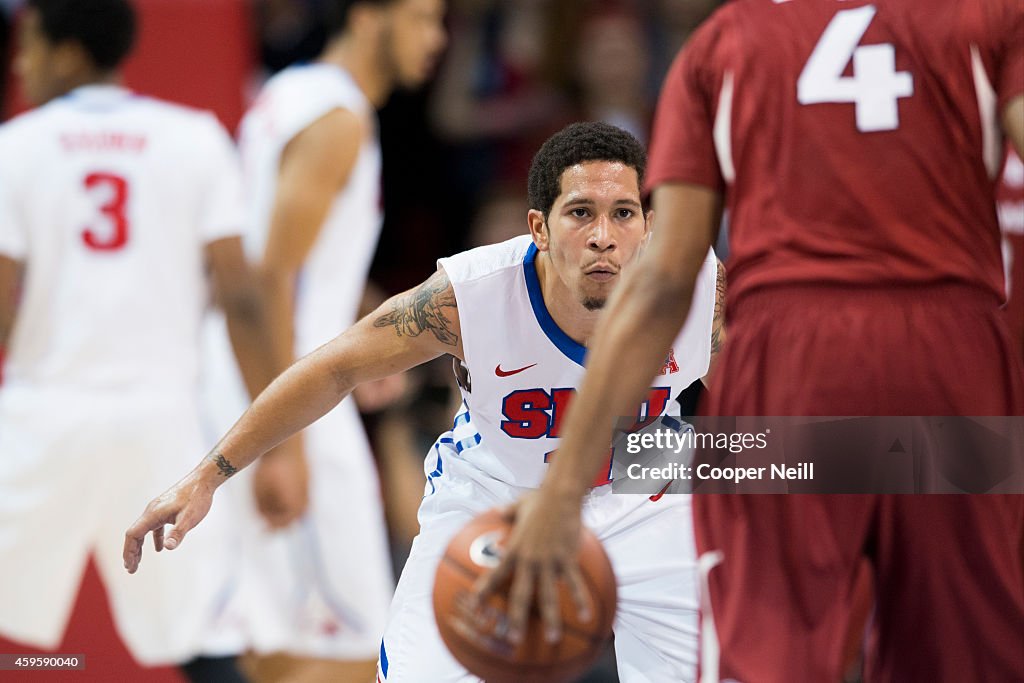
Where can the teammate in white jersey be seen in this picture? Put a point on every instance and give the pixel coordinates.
(312, 162)
(517, 317)
(113, 207)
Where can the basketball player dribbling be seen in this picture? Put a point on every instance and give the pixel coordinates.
(516, 316)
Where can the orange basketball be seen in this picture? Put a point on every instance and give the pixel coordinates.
(475, 550)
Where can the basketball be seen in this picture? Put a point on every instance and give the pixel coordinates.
(477, 549)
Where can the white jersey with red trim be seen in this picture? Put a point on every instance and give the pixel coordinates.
(523, 370)
(335, 270)
(109, 198)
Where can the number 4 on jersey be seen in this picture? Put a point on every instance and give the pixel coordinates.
(875, 86)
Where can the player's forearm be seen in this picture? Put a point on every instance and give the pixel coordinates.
(637, 328)
(279, 302)
(317, 383)
(718, 323)
(248, 330)
(10, 275)
(407, 330)
(270, 353)
(6, 324)
(301, 395)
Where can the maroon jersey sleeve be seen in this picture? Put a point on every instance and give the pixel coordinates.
(682, 144)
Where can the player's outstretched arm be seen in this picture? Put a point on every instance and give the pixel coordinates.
(642, 317)
(406, 330)
(237, 294)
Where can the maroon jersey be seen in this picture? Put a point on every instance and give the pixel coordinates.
(857, 142)
(1010, 202)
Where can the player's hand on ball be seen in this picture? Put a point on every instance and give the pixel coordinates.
(541, 550)
(281, 484)
(183, 505)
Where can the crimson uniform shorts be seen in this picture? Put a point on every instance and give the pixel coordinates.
(780, 570)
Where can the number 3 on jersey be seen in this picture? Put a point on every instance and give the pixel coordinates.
(875, 86)
(111, 192)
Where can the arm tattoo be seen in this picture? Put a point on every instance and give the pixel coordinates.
(718, 323)
(224, 468)
(421, 310)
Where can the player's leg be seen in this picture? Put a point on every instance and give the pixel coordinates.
(412, 650)
(779, 574)
(966, 600)
(652, 551)
(325, 582)
(949, 573)
(47, 508)
(779, 571)
(166, 613)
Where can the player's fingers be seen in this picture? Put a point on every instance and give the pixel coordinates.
(519, 600)
(277, 512)
(488, 582)
(136, 535)
(266, 503)
(158, 538)
(183, 523)
(279, 518)
(132, 552)
(577, 589)
(550, 605)
(269, 509)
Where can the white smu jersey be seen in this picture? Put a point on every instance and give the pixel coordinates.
(523, 370)
(334, 273)
(109, 199)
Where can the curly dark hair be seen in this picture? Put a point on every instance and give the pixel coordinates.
(105, 28)
(575, 144)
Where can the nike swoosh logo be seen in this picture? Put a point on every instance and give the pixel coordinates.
(508, 373)
(657, 496)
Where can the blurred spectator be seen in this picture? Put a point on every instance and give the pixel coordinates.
(672, 22)
(610, 68)
(494, 97)
(500, 216)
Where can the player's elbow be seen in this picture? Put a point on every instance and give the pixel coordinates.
(276, 277)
